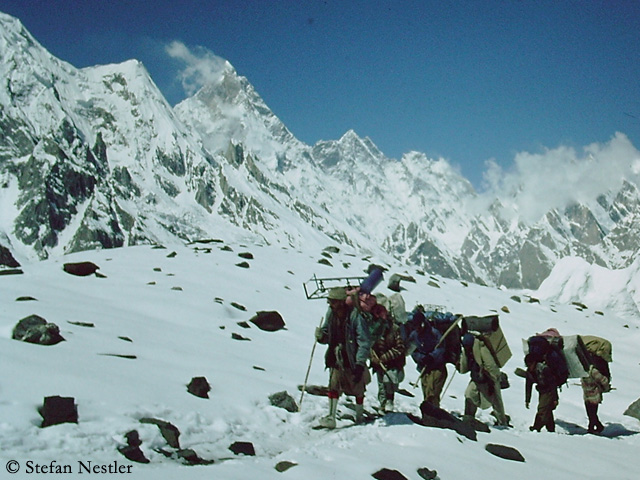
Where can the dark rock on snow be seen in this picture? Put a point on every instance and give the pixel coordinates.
(439, 418)
(236, 336)
(427, 474)
(387, 474)
(11, 271)
(242, 448)
(56, 410)
(199, 386)
(269, 321)
(284, 466)
(284, 400)
(35, 329)
(132, 450)
(502, 451)
(81, 269)
(6, 258)
(26, 298)
(169, 431)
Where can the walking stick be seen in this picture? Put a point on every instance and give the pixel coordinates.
(385, 372)
(448, 384)
(306, 377)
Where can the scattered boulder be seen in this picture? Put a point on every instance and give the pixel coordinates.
(388, 474)
(505, 309)
(119, 355)
(239, 306)
(394, 281)
(247, 255)
(208, 240)
(172, 255)
(81, 269)
(633, 410)
(268, 321)
(11, 271)
(26, 299)
(35, 329)
(427, 474)
(502, 451)
(284, 466)
(190, 457)
(237, 336)
(242, 448)
(244, 324)
(56, 410)
(324, 261)
(199, 386)
(81, 324)
(437, 417)
(132, 450)
(170, 432)
(284, 400)
(332, 249)
(7, 259)
(317, 390)
(243, 265)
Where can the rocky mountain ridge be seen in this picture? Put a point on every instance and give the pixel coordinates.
(96, 158)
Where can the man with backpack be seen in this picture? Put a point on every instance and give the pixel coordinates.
(429, 355)
(598, 379)
(547, 369)
(347, 335)
(483, 390)
(387, 357)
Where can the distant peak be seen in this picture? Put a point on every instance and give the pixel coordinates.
(350, 135)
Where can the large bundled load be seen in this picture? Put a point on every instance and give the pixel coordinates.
(598, 346)
(576, 349)
(576, 356)
(488, 328)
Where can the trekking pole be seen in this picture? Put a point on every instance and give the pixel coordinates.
(448, 384)
(306, 377)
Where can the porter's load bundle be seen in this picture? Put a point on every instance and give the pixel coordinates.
(598, 346)
(491, 334)
(576, 355)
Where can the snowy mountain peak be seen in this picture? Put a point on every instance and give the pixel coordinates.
(97, 158)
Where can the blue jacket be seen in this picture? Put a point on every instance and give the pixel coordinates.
(426, 355)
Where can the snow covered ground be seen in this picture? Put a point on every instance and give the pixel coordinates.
(176, 314)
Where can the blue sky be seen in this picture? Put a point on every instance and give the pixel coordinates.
(466, 80)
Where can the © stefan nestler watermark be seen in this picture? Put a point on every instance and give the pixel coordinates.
(80, 467)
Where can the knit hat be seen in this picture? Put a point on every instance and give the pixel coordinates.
(337, 293)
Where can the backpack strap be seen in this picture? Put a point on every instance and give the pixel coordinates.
(491, 349)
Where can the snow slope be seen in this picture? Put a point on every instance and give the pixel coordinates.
(178, 311)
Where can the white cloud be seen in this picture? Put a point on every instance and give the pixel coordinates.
(555, 178)
(201, 66)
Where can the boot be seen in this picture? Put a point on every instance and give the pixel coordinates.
(537, 424)
(551, 424)
(594, 422)
(359, 413)
(469, 409)
(388, 407)
(330, 420)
